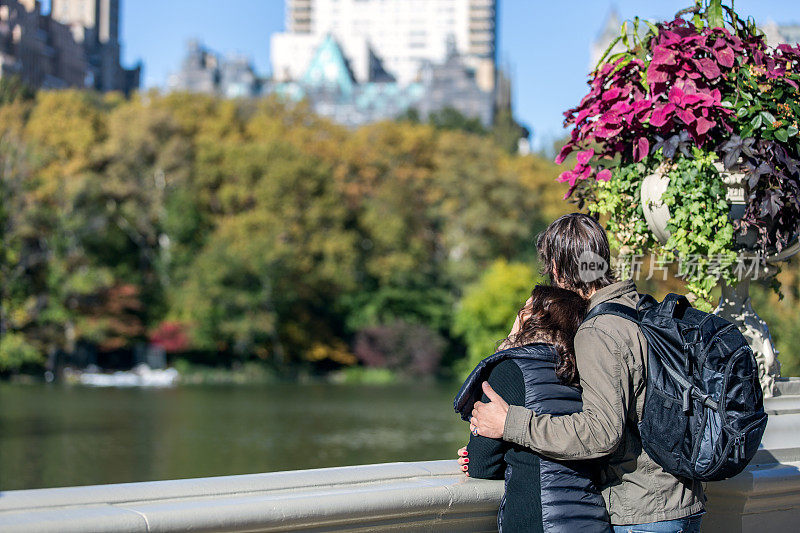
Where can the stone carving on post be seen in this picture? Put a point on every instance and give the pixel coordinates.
(734, 305)
(735, 302)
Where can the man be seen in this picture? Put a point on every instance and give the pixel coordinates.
(611, 355)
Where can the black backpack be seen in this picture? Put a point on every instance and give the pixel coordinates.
(703, 409)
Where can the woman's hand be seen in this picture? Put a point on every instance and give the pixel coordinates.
(463, 460)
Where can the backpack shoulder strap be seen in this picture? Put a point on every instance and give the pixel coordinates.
(608, 308)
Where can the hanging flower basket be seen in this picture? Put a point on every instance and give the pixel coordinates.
(705, 109)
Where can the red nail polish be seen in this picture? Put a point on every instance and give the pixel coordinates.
(466, 460)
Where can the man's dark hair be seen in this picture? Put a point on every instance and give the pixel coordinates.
(569, 246)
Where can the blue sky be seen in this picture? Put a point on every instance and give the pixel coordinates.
(545, 43)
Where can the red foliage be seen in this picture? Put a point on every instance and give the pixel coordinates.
(171, 336)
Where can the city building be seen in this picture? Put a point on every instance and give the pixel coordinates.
(362, 61)
(777, 34)
(95, 24)
(199, 72)
(358, 61)
(41, 51)
(452, 84)
(404, 34)
(204, 71)
(332, 90)
(75, 45)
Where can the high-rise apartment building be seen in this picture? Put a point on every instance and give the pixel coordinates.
(781, 33)
(75, 45)
(95, 24)
(403, 34)
(41, 51)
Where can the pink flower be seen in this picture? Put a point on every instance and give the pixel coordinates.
(611, 94)
(585, 156)
(681, 98)
(661, 115)
(654, 75)
(562, 155)
(641, 149)
(662, 56)
(604, 132)
(724, 57)
(568, 177)
(708, 67)
(585, 172)
(703, 125)
(685, 115)
(582, 115)
(604, 175)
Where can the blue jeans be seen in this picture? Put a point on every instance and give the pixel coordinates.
(690, 524)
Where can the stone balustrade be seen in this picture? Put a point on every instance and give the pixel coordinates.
(429, 496)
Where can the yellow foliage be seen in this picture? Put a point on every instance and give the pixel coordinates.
(337, 351)
(258, 222)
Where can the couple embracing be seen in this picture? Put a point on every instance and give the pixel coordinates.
(556, 410)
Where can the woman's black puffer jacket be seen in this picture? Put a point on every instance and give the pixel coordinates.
(542, 495)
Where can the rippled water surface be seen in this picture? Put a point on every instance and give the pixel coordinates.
(59, 436)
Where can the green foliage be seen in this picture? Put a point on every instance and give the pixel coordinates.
(16, 351)
(13, 89)
(714, 14)
(505, 132)
(247, 373)
(451, 119)
(359, 375)
(273, 235)
(431, 306)
(410, 115)
(489, 307)
(780, 314)
(619, 199)
(701, 234)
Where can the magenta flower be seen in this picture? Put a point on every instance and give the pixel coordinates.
(641, 149)
(662, 115)
(585, 156)
(568, 176)
(673, 98)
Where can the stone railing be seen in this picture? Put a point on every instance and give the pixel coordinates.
(430, 496)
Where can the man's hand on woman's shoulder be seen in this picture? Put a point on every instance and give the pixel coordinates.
(489, 419)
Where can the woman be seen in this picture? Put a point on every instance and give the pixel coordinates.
(536, 369)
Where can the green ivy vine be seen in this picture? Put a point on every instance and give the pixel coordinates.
(701, 234)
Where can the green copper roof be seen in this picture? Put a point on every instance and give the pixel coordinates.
(329, 68)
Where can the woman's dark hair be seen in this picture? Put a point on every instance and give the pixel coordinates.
(575, 254)
(553, 316)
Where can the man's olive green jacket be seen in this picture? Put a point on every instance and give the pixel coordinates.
(611, 355)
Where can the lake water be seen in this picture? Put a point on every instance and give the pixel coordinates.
(52, 435)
